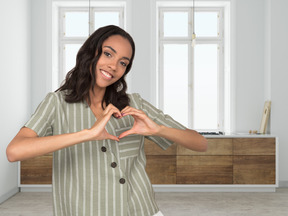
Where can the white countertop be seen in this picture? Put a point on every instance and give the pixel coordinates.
(240, 135)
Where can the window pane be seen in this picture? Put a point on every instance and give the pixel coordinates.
(106, 18)
(206, 24)
(176, 82)
(205, 87)
(71, 51)
(76, 24)
(175, 24)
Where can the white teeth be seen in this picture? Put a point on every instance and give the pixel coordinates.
(106, 74)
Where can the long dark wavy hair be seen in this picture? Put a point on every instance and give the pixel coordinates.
(81, 78)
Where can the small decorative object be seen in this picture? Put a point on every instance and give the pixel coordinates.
(265, 117)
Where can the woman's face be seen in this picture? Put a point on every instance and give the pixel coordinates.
(115, 56)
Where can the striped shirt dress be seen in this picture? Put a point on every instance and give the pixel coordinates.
(99, 178)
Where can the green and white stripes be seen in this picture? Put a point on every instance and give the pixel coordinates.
(84, 181)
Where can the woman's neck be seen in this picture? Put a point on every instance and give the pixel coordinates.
(96, 96)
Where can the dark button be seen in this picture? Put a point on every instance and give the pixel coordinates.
(122, 181)
(113, 164)
(103, 149)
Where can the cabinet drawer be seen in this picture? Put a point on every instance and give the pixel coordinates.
(204, 170)
(254, 146)
(215, 147)
(161, 169)
(254, 170)
(37, 170)
(152, 148)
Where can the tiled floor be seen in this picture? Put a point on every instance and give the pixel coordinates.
(172, 204)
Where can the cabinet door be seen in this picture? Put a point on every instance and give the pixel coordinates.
(152, 148)
(254, 161)
(37, 170)
(204, 170)
(254, 146)
(161, 169)
(254, 169)
(215, 166)
(215, 147)
(160, 164)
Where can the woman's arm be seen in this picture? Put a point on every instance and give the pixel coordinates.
(145, 126)
(26, 144)
(187, 138)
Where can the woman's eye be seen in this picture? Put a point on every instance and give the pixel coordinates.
(123, 64)
(107, 54)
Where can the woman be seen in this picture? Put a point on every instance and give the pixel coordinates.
(96, 132)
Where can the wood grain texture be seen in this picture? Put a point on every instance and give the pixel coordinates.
(227, 161)
(204, 170)
(161, 169)
(254, 146)
(215, 147)
(254, 169)
(37, 170)
(152, 148)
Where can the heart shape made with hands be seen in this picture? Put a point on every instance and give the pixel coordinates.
(143, 125)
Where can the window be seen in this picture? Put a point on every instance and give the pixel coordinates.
(73, 29)
(191, 80)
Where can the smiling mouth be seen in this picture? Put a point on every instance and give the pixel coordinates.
(106, 74)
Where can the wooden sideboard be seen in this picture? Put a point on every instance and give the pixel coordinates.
(228, 161)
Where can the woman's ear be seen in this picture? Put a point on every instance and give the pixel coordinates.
(119, 87)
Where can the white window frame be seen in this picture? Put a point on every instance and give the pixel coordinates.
(223, 42)
(59, 40)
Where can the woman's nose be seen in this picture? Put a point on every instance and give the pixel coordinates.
(113, 64)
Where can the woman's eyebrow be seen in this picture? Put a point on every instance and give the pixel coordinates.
(116, 52)
(111, 48)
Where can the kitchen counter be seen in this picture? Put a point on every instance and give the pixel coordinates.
(240, 135)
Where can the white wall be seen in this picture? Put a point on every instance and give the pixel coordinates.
(279, 79)
(14, 83)
(41, 65)
(259, 57)
(141, 33)
(249, 74)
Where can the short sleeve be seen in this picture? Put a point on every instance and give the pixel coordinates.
(42, 119)
(158, 117)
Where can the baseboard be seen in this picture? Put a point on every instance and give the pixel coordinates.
(214, 188)
(9, 194)
(181, 188)
(283, 184)
(36, 188)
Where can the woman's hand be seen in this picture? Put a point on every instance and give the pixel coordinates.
(143, 125)
(98, 131)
